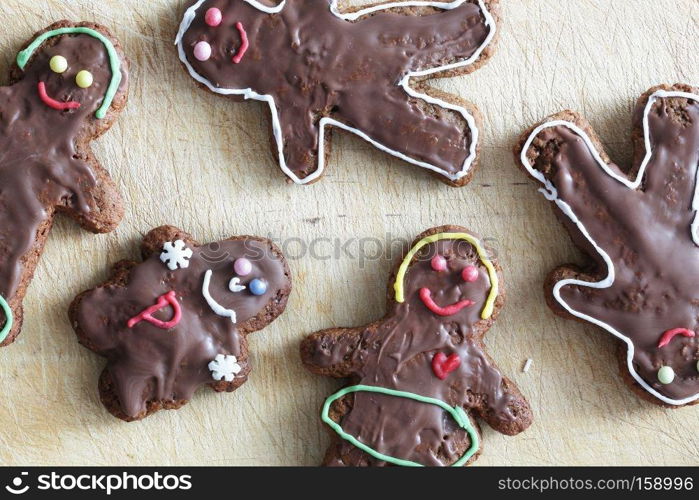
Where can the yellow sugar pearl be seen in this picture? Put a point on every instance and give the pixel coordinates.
(58, 64)
(84, 79)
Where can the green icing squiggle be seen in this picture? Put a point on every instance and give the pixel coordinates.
(456, 412)
(114, 62)
(8, 319)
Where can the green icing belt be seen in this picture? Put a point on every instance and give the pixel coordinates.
(456, 412)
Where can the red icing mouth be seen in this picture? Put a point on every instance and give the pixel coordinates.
(426, 297)
(671, 334)
(53, 103)
(164, 300)
(244, 44)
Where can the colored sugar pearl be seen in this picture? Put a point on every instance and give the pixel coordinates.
(213, 17)
(666, 375)
(258, 287)
(439, 263)
(470, 274)
(202, 51)
(242, 267)
(58, 64)
(84, 79)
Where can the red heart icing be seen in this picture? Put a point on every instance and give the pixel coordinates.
(443, 365)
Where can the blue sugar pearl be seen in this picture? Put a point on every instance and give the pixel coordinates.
(258, 287)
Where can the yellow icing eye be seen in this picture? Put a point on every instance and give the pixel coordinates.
(58, 64)
(84, 79)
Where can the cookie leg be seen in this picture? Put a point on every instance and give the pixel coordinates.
(342, 454)
(430, 135)
(24, 227)
(566, 156)
(671, 169)
(296, 141)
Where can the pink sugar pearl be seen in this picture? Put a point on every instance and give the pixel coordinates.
(213, 17)
(470, 274)
(439, 263)
(242, 267)
(202, 51)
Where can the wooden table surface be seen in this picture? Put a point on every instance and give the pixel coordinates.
(188, 158)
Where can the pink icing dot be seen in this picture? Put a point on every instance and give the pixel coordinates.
(202, 51)
(439, 263)
(213, 17)
(242, 267)
(470, 274)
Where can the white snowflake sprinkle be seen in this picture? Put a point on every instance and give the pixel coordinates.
(176, 255)
(224, 367)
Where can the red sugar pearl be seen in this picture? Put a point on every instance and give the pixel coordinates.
(213, 17)
(470, 274)
(439, 263)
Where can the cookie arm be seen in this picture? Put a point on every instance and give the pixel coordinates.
(96, 204)
(333, 352)
(506, 411)
(438, 38)
(93, 325)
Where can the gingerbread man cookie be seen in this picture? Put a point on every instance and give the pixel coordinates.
(67, 88)
(361, 71)
(180, 319)
(639, 228)
(418, 377)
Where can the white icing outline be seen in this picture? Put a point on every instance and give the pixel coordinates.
(215, 306)
(248, 93)
(551, 194)
(235, 286)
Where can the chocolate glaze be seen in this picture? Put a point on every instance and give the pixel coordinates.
(45, 163)
(315, 64)
(148, 365)
(397, 352)
(645, 232)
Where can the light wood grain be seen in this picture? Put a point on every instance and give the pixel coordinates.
(186, 157)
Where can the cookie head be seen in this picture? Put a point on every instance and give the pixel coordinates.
(220, 36)
(242, 279)
(74, 70)
(448, 275)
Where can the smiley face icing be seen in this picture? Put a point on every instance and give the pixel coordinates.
(68, 86)
(180, 319)
(640, 231)
(420, 376)
(361, 71)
